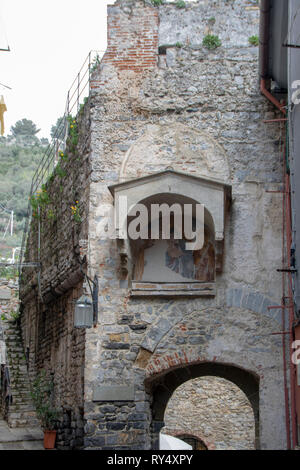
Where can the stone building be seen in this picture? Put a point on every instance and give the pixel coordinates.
(168, 120)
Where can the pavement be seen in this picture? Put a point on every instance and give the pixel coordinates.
(20, 438)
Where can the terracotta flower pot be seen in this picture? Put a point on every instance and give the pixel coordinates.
(49, 439)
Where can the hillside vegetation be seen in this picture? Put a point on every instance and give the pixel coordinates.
(20, 154)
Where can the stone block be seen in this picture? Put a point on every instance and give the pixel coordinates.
(5, 294)
(113, 393)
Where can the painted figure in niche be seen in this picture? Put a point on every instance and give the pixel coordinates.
(155, 258)
(198, 265)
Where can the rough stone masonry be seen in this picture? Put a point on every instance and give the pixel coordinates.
(162, 102)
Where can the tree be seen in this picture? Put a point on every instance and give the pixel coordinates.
(58, 130)
(44, 141)
(24, 127)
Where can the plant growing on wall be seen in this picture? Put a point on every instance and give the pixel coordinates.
(157, 2)
(42, 395)
(39, 200)
(211, 41)
(180, 4)
(254, 40)
(59, 171)
(73, 133)
(12, 316)
(95, 63)
(8, 272)
(63, 156)
(75, 212)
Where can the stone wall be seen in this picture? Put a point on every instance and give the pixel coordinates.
(48, 295)
(200, 112)
(213, 410)
(9, 304)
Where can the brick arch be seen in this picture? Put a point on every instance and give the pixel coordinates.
(162, 386)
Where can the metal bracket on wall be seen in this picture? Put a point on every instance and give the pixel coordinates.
(22, 265)
(287, 270)
(295, 46)
(94, 294)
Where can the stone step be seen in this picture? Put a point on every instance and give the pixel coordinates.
(17, 407)
(21, 389)
(20, 438)
(21, 392)
(22, 445)
(21, 411)
(20, 384)
(17, 396)
(20, 423)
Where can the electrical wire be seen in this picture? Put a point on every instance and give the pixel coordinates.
(3, 28)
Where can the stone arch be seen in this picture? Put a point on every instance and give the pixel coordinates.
(175, 146)
(188, 335)
(163, 386)
(239, 298)
(179, 434)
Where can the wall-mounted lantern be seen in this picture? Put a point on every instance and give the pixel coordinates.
(84, 313)
(86, 310)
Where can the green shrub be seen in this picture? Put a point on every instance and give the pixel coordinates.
(42, 395)
(156, 3)
(180, 4)
(254, 40)
(211, 42)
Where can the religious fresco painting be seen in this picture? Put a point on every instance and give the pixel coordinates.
(169, 261)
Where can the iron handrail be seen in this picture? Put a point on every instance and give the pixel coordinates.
(49, 158)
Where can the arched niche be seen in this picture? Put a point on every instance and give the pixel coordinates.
(166, 265)
(179, 146)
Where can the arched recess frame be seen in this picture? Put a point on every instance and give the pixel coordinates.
(162, 386)
(214, 195)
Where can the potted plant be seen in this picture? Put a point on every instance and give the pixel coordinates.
(42, 395)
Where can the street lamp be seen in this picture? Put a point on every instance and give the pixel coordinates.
(84, 313)
(86, 310)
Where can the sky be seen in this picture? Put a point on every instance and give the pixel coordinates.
(49, 41)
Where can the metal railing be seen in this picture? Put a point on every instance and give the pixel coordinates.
(78, 91)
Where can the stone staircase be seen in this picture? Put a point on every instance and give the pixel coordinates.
(21, 411)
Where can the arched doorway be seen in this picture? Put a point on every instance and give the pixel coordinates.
(211, 413)
(194, 441)
(164, 385)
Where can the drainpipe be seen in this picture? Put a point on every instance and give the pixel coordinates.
(291, 311)
(269, 96)
(264, 34)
